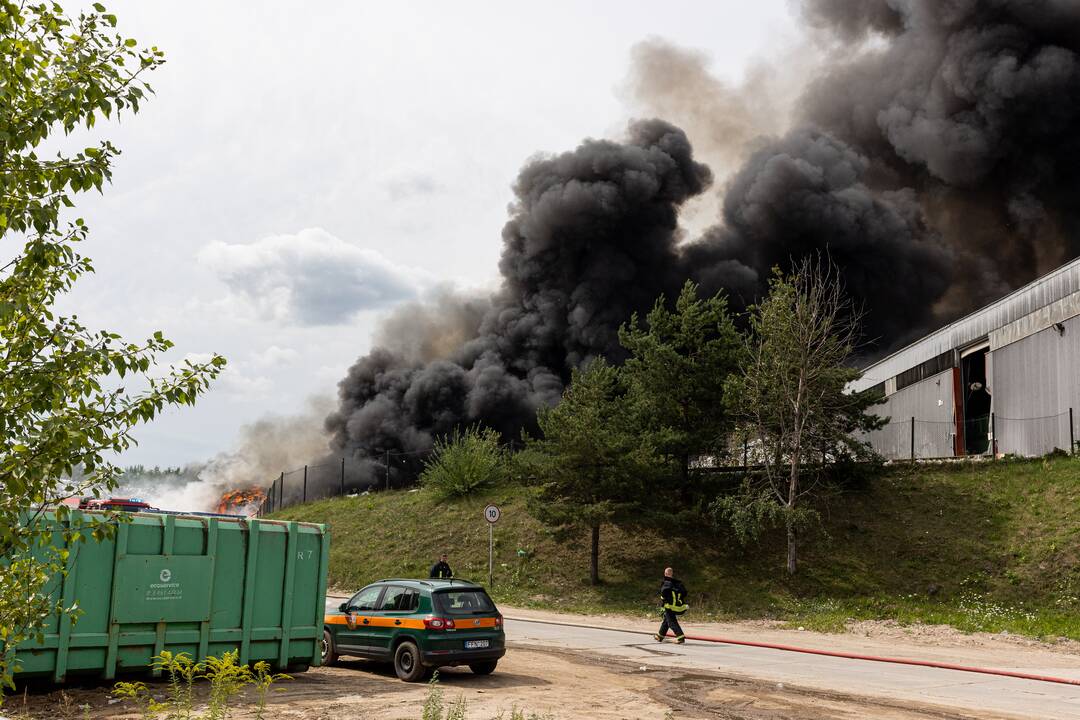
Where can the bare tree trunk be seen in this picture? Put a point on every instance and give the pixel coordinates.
(793, 492)
(793, 479)
(594, 558)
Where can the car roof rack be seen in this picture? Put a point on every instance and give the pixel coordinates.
(415, 580)
(429, 582)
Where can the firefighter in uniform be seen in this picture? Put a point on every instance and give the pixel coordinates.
(673, 596)
(441, 570)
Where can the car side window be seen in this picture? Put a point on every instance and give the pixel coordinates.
(365, 599)
(395, 599)
(411, 601)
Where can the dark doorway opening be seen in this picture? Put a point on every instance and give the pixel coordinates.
(976, 402)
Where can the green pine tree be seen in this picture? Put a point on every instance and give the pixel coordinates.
(590, 465)
(679, 362)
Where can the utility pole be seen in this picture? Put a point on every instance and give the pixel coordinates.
(388, 469)
(304, 496)
(343, 476)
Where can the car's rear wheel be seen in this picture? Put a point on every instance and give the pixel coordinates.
(484, 668)
(329, 657)
(407, 663)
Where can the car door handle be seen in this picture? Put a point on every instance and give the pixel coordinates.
(397, 622)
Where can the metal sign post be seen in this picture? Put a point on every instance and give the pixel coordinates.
(491, 514)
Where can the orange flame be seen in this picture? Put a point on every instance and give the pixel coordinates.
(245, 500)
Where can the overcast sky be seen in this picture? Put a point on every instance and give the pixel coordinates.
(304, 167)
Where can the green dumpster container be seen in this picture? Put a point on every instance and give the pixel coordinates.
(203, 585)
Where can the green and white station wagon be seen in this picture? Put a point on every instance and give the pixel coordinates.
(418, 625)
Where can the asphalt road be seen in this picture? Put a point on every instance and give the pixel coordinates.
(951, 689)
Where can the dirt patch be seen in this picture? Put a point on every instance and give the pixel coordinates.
(534, 681)
(697, 694)
(730, 698)
(557, 684)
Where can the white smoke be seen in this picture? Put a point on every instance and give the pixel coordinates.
(264, 449)
(183, 490)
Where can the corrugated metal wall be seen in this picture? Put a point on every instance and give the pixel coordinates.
(1035, 382)
(1048, 289)
(930, 402)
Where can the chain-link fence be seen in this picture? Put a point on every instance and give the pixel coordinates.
(992, 434)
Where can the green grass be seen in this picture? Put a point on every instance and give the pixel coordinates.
(980, 546)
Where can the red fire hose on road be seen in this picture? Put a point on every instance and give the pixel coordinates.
(828, 653)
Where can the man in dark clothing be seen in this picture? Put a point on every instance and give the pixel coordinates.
(441, 570)
(673, 596)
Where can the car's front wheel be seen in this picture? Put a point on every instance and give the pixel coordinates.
(484, 668)
(407, 663)
(329, 657)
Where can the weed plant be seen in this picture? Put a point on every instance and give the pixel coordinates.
(226, 677)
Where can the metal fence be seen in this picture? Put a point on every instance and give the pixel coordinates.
(915, 439)
(907, 439)
(341, 477)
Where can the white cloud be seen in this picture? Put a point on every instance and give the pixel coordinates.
(244, 388)
(311, 278)
(275, 356)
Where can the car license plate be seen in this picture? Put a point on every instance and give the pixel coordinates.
(474, 644)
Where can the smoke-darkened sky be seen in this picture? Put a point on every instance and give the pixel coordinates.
(303, 168)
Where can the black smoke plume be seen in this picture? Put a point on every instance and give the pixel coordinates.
(936, 161)
(592, 238)
(934, 157)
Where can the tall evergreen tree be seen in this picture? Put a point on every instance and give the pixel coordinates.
(590, 466)
(679, 362)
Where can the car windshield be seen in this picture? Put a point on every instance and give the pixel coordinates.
(465, 602)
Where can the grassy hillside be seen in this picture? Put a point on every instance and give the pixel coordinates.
(985, 546)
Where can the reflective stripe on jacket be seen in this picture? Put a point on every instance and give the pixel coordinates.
(672, 595)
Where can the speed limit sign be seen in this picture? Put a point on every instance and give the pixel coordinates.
(492, 514)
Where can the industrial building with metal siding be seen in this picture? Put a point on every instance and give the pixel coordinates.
(1005, 378)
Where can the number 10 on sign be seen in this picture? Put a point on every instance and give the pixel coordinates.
(491, 514)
